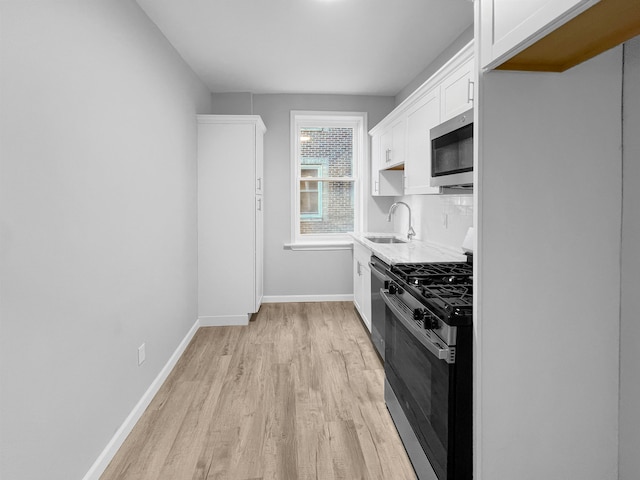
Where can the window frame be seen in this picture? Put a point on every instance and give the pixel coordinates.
(355, 120)
(317, 168)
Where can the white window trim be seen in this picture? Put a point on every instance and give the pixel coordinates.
(311, 216)
(356, 120)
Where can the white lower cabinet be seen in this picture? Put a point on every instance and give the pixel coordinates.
(362, 282)
(230, 213)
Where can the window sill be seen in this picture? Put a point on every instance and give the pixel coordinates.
(338, 245)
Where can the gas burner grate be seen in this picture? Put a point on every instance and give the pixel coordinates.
(419, 274)
(427, 269)
(453, 295)
(444, 288)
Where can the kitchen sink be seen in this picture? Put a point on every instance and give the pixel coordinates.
(385, 240)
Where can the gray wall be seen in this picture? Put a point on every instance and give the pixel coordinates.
(98, 224)
(463, 39)
(630, 325)
(232, 103)
(549, 199)
(305, 272)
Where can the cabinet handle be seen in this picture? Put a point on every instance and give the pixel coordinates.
(470, 85)
(388, 155)
(358, 269)
(259, 204)
(376, 186)
(260, 183)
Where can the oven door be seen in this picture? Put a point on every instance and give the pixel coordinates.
(379, 282)
(422, 381)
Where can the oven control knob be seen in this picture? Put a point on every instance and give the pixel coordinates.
(431, 323)
(428, 320)
(393, 289)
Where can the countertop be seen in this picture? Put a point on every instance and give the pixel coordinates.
(416, 251)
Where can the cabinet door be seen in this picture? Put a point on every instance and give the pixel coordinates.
(399, 132)
(226, 168)
(362, 282)
(376, 153)
(259, 253)
(259, 217)
(383, 182)
(508, 27)
(418, 158)
(259, 163)
(456, 92)
(392, 144)
(386, 148)
(357, 284)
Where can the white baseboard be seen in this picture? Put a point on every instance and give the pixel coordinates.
(307, 298)
(224, 320)
(103, 460)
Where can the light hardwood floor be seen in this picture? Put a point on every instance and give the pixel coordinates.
(298, 394)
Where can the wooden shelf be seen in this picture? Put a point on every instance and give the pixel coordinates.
(601, 27)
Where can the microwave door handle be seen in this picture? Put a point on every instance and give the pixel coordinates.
(442, 353)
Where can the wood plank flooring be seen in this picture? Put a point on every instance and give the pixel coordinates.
(298, 394)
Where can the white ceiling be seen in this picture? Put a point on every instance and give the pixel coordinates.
(368, 47)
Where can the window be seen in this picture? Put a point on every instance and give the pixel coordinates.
(327, 149)
(310, 192)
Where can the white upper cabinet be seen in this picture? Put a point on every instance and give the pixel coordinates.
(509, 26)
(420, 121)
(383, 182)
(456, 92)
(401, 143)
(392, 143)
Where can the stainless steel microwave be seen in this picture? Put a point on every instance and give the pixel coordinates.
(452, 152)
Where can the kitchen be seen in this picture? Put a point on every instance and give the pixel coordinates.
(541, 222)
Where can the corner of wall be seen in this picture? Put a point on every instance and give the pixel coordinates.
(232, 103)
(454, 47)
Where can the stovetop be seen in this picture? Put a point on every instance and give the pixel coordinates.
(444, 288)
(435, 273)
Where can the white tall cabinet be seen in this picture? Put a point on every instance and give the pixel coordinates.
(230, 218)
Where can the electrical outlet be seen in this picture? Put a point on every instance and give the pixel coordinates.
(142, 354)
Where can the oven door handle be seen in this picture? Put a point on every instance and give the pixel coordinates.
(441, 352)
(377, 272)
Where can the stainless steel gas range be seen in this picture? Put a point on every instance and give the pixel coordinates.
(428, 338)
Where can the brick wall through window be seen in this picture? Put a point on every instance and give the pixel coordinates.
(332, 149)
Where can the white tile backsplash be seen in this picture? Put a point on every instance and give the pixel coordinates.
(457, 205)
(441, 219)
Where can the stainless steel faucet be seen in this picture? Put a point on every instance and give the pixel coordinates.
(411, 233)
